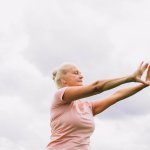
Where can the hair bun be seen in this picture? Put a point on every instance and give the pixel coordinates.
(54, 74)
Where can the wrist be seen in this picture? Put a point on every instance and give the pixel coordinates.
(130, 78)
(143, 85)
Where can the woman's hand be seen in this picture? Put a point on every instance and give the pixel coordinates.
(136, 76)
(148, 76)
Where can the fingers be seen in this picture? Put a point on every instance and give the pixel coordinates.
(148, 74)
(141, 64)
(144, 67)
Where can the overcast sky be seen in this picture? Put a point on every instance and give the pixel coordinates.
(104, 38)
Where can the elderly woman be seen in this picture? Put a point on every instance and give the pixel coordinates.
(72, 120)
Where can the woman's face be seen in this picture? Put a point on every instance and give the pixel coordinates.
(73, 77)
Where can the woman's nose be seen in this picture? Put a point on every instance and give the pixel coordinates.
(81, 77)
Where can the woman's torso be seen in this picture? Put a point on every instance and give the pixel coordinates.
(71, 124)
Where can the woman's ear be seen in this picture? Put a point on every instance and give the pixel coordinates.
(63, 81)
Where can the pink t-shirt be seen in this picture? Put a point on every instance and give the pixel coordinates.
(71, 124)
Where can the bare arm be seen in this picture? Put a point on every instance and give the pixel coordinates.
(78, 92)
(101, 105)
(135, 77)
(103, 85)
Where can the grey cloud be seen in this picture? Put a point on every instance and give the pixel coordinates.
(121, 134)
(105, 39)
(22, 124)
(61, 36)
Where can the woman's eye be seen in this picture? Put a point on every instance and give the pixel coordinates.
(76, 72)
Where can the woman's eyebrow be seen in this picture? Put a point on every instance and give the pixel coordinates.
(75, 71)
(78, 71)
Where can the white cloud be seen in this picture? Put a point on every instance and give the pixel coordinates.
(6, 144)
(127, 134)
(104, 38)
(22, 125)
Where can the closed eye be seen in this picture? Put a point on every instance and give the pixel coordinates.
(76, 72)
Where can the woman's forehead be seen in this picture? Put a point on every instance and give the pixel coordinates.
(70, 68)
(73, 68)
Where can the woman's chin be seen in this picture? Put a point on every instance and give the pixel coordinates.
(80, 84)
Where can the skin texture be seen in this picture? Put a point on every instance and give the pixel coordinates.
(74, 80)
(73, 77)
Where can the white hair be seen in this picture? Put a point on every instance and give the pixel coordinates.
(59, 72)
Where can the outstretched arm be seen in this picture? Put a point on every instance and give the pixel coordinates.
(104, 85)
(101, 105)
(78, 92)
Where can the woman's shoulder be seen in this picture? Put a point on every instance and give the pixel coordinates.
(59, 92)
(58, 97)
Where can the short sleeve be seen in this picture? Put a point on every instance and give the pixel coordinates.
(91, 106)
(57, 100)
(59, 94)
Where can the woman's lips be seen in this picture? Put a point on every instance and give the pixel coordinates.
(80, 81)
